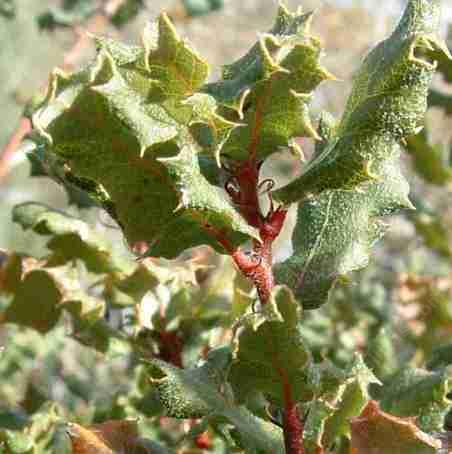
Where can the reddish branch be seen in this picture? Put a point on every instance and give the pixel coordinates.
(243, 187)
(293, 427)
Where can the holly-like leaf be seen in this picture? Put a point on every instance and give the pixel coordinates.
(270, 87)
(387, 103)
(335, 232)
(273, 357)
(336, 228)
(193, 393)
(120, 130)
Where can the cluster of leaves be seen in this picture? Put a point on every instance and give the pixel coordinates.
(146, 137)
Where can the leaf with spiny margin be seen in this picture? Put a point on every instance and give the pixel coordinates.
(269, 89)
(335, 231)
(107, 129)
(377, 432)
(387, 103)
(273, 356)
(352, 396)
(194, 393)
(176, 68)
(420, 393)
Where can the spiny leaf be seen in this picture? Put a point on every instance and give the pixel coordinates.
(192, 393)
(272, 357)
(335, 231)
(269, 88)
(356, 175)
(377, 432)
(387, 103)
(177, 69)
(143, 101)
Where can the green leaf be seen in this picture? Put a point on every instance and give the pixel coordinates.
(70, 239)
(377, 432)
(381, 356)
(431, 162)
(196, 8)
(26, 309)
(314, 427)
(335, 232)
(273, 356)
(445, 65)
(387, 103)
(144, 167)
(350, 399)
(193, 393)
(420, 393)
(336, 228)
(269, 88)
(8, 8)
(178, 70)
(70, 14)
(432, 228)
(16, 442)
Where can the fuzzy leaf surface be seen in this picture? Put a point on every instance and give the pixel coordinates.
(355, 177)
(269, 88)
(120, 130)
(193, 393)
(273, 356)
(387, 103)
(420, 393)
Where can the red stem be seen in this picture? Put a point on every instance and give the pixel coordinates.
(257, 266)
(292, 425)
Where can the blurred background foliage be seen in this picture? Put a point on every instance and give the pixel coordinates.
(397, 312)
